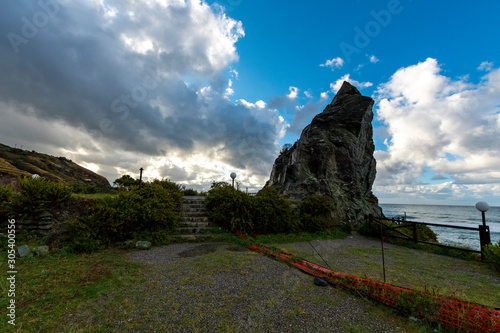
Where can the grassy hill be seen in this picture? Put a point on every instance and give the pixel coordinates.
(15, 162)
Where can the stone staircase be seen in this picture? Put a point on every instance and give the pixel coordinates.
(194, 222)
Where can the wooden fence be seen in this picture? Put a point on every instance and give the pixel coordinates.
(399, 223)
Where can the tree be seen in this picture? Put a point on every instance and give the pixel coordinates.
(125, 181)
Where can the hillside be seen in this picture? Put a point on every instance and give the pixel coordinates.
(15, 162)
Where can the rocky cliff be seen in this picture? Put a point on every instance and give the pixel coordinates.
(334, 157)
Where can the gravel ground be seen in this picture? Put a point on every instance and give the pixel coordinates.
(224, 288)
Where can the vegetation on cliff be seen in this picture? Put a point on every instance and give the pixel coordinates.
(16, 162)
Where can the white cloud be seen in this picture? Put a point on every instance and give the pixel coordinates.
(338, 84)
(449, 126)
(334, 63)
(486, 66)
(136, 84)
(373, 59)
(234, 72)
(294, 92)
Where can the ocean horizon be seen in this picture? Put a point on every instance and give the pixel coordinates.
(453, 215)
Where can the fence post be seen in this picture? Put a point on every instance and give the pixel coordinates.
(415, 236)
(383, 255)
(484, 238)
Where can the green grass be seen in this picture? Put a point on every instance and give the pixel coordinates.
(283, 238)
(466, 280)
(104, 291)
(49, 288)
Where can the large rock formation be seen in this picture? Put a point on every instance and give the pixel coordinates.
(334, 157)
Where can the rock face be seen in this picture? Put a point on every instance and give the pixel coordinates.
(334, 158)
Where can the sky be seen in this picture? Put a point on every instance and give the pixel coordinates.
(194, 90)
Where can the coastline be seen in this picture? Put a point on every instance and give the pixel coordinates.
(452, 215)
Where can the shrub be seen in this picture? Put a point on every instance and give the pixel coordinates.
(266, 213)
(315, 213)
(39, 194)
(152, 209)
(230, 208)
(85, 189)
(492, 254)
(125, 182)
(271, 213)
(424, 233)
(190, 192)
(6, 202)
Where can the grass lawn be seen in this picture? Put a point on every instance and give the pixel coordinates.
(48, 288)
(467, 280)
(105, 291)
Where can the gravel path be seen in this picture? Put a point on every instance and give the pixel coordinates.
(219, 287)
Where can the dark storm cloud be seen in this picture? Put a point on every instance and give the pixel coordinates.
(138, 77)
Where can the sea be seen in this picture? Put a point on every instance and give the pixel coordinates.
(453, 215)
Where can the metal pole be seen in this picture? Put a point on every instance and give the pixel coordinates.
(484, 238)
(484, 218)
(140, 177)
(383, 256)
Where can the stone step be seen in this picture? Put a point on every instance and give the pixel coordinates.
(194, 214)
(193, 236)
(198, 219)
(192, 231)
(194, 220)
(193, 224)
(194, 200)
(193, 207)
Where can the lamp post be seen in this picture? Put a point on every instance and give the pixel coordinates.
(484, 230)
(140, 177)
(233, 176)
(483, 208)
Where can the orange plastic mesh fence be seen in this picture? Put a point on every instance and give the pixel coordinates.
(450, 313)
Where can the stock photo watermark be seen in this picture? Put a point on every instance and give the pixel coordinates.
(130, 100)
(31, 25)
(230, 5)
(364, 35)
(11, 271)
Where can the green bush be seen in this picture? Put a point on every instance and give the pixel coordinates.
(267, 212)
(152, 210)
(6, 202)
(230, 208)
(271, 213)
(492, 254)
(315, 213)
(424, 233)
(38, 194)
(85, 189)
(190, 192)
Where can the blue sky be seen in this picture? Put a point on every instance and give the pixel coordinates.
(193, 90)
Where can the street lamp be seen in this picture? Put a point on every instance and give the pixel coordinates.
(140, 177)
(233, 176)
(483, 208)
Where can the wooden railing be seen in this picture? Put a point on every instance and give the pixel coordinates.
(399, 223)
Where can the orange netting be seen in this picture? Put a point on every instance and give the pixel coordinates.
(450, 313)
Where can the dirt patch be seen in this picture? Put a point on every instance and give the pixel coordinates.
(199, 250)
(238, 249)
